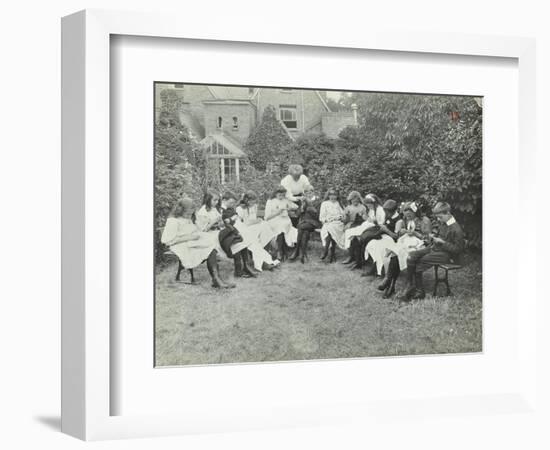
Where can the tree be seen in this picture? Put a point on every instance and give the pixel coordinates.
(435, 149)
(268, 144)
(319, 156)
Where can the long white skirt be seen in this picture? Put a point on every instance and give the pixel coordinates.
(193, 253)
(282, 224)
(258, 235)
(379, 250)
(350, 233)
(336, 230)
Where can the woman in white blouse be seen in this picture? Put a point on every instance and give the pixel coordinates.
(256, 231)
(331, 216)
(209, 217)
(249, 222)
(296, 184)
(191, 245)
(276, 215)
(376, 216)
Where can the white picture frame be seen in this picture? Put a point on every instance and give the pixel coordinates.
(86, 216)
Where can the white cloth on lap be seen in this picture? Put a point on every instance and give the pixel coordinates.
(331, 215)
(350, 233)
(378, 250)
(190, 253)
(281, 223)
(260, 231)
(404, 245)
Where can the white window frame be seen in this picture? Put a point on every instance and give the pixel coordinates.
(293, 109)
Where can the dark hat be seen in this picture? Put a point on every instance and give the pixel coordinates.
(390, 205)
(410, 206)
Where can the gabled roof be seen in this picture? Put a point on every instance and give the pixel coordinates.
(233, 147)
(322, 101)
(227, 102)
(229, 92)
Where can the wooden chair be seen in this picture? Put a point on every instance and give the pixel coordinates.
(445, 278)
(170, 255)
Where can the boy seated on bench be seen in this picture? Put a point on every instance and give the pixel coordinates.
(444, 248)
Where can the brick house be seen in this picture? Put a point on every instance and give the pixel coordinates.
(222, 117)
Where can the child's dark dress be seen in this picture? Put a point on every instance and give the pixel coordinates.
(309, 215)
(229, 235)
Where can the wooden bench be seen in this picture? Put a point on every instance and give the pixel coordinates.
(446, 268)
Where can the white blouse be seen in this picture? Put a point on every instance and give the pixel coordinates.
(294, 187)
(205, 219)
(274, 204)
(330, 212)
(247, 214)
(176, 228)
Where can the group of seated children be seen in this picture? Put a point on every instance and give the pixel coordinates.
(383, 238)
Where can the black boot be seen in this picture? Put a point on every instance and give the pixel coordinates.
(359, 256)
(238, 265)
(305, 241)
(411, 288)
(214, 271)
(247, 273)
(393, 271)
(389, 275)
(386, 283)
(420, 293)
(332, 251)
(327, 247)
(280, 247)
(296, 251)
(351, 256)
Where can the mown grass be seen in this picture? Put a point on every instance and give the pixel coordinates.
(311, 311)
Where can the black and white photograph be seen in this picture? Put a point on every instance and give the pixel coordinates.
(304, 224)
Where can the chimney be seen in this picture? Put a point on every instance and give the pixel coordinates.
(354, 109)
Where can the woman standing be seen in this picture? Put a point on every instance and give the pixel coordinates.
(295, 184)
(276, 215)
(355, 214)
(308, 222)
(331, 216)
(190, 244)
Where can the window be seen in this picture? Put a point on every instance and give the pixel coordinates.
(235, 123)
(288, 116)
(229, 168)
(219, 122)
(217, 149)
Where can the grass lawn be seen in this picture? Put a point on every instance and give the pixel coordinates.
(311, 311)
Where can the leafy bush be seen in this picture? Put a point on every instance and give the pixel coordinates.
(405, 147)
(267, 146)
